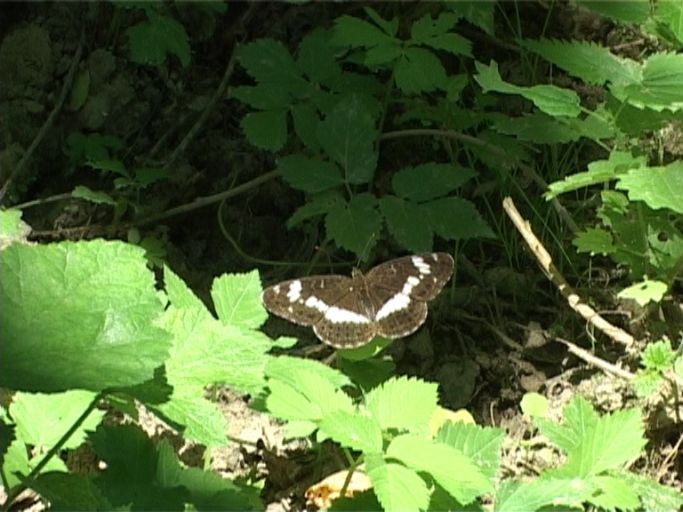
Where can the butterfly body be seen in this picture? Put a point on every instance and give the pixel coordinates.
(390, 300)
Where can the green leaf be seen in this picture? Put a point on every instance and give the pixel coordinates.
(354, 32)
(306, 121)
(309, 174)
(320, 204)
(269, 62)
(534, 404)
(594, 241)
(12, 228)
(355, 225)
(67, 491)
(368, 373)
(403, 221)
(396, 487)
(15, 460)
(479, 14)
(79, 90)
(434, 33)
(81, 148)
(644, 292)
(286, 369)
(659, 88)
(203, 422)
(615, 494)
(541, 128)
(631, 11)
(78, 315)
(670, 13)
(429, 180)
(389, 27)
(653, 495)
(286, 402)
(237, 298)
(454, 218)
(131, 477)
(348, 135)
(180, 295)
(545, 491)
(42, 420)
(599, 171)
(152, 40)
(316, 59)
(419, 70)
(263, 96)
(83, 192)
(266, 130)
(353, 430)
(549, 98)
(481, 444)
(456, 473)
(403, 403)
(586, 60)
(658, 187)
(658, 356)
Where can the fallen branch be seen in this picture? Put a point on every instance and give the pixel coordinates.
(552, 273)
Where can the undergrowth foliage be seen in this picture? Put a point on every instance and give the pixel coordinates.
(85, 329)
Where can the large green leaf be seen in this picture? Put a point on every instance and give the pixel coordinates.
(419, 70)
(355, 225)
(403, 220)
(78, 315)
(309, 174)
(403, 403)
(429, 180)
(454, 218)
(267, 129)
(151, 40)
(658, 187)
(237, 298)
(397, 487)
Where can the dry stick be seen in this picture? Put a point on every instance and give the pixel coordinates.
(595, 361)
(66, 87)
(530, 171)
(551, 272)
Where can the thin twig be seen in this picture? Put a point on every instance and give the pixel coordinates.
(217, 95)
(201, 202)
(552, 273)
(530, 171)
(595, 360)
(66, 87)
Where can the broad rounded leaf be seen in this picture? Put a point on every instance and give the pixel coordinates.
(658, 187)
(429, 181)
(454, 218)
(353, 430)
(419, 70)
(405, 224)
(237, 298)
(78, 315)
(151, 40)
(397, 487)
(266, 130)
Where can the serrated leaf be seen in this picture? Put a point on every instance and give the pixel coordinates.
(203, 422)
(402, 218)
(316, 58)
(644, 292)
(481, 444)
(429, 180)
(455, 472)
(152, 40)
(353, 430)
(180, 295)
(658, 89)
(551, 99)
(670, 13)
(263, 96)
(586, 60)
(12, 228)
(434, 33)
(78, 315)
(403, 403)
(454, 218)
(306, 121)
(521, 497)
(594, 241)
(287, 403)
(658, 187)
(318, 205)
(354, 32)
(653, 495)
(266, 130)
(389, 27)
(419, 70)
(83, 192)
(658, 356)
(615, 494)
(632, 11)
(237, 298)
(309, 174)
(286, 369)
(383, 54)
(541, 128)
(348, 135)
(396, 487)
(477, 13)
(599, 171)
(91, 147)
(355, 225)
(269, 62)
(67, 491)
(42, 419)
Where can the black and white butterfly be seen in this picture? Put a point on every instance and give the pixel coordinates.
(390, 300)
